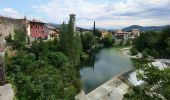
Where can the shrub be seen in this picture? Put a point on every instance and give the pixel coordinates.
(134, 51)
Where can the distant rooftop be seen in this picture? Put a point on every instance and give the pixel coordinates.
(36, 21)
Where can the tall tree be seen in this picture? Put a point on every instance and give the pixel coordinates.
(70, 43)
(20, 36)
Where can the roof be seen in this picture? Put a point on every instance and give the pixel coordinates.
(122, 32)
(51, 27)
(36, 21)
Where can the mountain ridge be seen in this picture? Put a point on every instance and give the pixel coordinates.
(145, 28)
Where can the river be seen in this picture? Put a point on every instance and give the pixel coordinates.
(108, 63)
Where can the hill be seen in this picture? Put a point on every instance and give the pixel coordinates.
(143, 29)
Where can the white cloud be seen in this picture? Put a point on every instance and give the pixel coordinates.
(9, 12)
(107, 13)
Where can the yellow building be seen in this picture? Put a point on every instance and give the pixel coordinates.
(104, 33)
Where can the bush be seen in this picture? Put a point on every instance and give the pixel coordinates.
(134, 51)
(144, 54)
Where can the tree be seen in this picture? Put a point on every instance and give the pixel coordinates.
(88, 40)
(155, 43)
(156, 82)
(20, 36)
(42, 72)
(57, 59)
(108, 40)
(98, 33)
(9, 39)
(134, 51)
(70, 44)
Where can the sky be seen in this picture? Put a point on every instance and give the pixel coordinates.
(110, 14)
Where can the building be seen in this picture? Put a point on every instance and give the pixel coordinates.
(73, 21)
(120, 34)
(135, 32)
(52, 32)
(104, 33)
(36, 30)
(7, 26)
(125, 37)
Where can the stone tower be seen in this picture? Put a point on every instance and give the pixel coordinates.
(73, 21)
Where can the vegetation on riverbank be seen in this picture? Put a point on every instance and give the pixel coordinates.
(139, 61)
(153, 43)
(45, 70)
(156, 86)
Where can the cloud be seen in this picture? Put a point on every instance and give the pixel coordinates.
(9, 12)
(108, 13)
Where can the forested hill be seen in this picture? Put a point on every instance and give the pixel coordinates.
(144, 29)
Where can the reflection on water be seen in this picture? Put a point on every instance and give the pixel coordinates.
(108, 63)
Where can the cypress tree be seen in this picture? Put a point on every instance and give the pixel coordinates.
(94, 28)
(70, 43)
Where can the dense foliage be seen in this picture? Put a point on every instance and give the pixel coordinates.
(87, 40)
(157, 82)
(18, 40)
(153, 43)
(108, 40)
(70, 43)
(45, 70)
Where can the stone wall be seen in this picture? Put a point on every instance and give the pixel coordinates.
(8, 25)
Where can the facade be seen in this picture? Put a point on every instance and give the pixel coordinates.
(7, 26)
(36, 30)
(136, 32)
(120, 34)
(122, 37)
(52, 32)
(104, 33)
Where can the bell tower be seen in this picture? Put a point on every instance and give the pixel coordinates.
(73, 21)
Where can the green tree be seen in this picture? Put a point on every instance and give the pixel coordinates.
(57, 59)
(88, 40)
(9, 39)
(108, 40)
(156, 82)
(70, 43)
(155, 43)
(20, 36)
